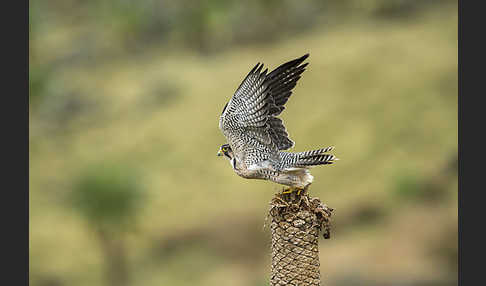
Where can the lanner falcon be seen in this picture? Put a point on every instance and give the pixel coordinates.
(257, 137)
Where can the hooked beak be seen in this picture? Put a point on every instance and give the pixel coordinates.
(220, 153)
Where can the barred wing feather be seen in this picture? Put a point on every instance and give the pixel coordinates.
(257, 102)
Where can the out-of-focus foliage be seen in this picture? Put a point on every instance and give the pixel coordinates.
(107, 195)
(100, 28)
(214, 25)
(137, 88)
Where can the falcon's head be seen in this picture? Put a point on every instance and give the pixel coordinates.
(225, 150)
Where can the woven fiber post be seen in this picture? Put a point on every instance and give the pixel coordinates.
(296, 221)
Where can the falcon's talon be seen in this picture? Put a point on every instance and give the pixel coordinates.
(288, 191)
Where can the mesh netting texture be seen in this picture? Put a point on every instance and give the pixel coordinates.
(296, 221)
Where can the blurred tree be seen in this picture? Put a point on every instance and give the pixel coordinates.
(108, 197)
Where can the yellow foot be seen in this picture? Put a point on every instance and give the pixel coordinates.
(288, 191)
(291, 189)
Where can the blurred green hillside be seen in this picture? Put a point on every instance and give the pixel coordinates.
(128, 85)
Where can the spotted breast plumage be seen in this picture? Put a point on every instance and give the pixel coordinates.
(257, 138)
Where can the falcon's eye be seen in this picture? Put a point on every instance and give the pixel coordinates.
(224, 149)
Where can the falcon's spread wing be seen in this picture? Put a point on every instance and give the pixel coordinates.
(251, 114)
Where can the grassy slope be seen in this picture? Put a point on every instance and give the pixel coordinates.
(384, 95)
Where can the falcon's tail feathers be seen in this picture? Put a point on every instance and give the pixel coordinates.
(315, 157)
(311, 153)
